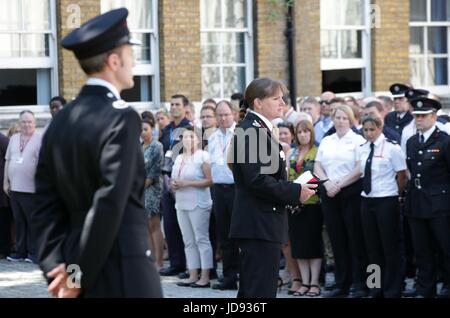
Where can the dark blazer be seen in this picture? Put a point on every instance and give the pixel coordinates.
(429, 164)
(260, 196)
(89, 197)
(392, 121)
(4, 141)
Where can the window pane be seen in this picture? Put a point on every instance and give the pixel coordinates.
(233, 80)
(342, 81)
(36, 14)
(10, 17)
(437, 69)
(108, 5)
(416, 66)
(353, 12)
(142, 53)
(141, 91)
(437, 40)
(440, 10)
(235, 14)
(140, 16)
(34, 45)
(210, 14)
(330, 12)
(233, 48)
(18, 87)
(416, 40)
(329, 44)
(210, 82)
(418, 10)
(9, 45)
(351, 44)
(210, 47)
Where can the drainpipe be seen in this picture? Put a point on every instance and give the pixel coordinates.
(290, 36)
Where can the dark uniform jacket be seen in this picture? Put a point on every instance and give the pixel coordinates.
(429, 164)
(4, 141)
(260, 195)
(393, 122)
(89, 197)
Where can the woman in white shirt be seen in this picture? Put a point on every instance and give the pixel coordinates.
(191, 178)
(384, 173)
(336, 161)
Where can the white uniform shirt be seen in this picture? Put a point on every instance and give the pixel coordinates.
(388, 159)
(218, 145)
(338, 156)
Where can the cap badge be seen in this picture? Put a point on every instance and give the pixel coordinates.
(419, 104)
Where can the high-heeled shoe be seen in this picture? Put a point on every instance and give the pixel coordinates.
(298, 293)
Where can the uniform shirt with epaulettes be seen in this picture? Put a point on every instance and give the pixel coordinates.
(429, 166)
(387, 160)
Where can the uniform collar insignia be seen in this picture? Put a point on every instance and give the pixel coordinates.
(120, 104)
(256, 124)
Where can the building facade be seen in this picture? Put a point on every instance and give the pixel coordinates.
(213, 48)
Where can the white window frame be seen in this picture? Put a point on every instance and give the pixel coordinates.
(149, 70)
(436, 89)
(49, 63)
(363, 63)
(248, 46)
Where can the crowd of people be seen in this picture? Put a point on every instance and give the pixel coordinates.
(358, 217)
(90, 191)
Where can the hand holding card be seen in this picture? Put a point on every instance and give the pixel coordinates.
(309, 178)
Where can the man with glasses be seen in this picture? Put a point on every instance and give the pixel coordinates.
(325, 122)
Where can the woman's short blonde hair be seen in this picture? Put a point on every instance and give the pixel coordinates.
(347, 110)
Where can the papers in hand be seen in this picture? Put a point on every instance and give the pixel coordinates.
(308, 177)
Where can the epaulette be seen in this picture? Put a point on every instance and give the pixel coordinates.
(392, 141)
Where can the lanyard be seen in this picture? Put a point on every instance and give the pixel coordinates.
(181, 167)
(23, 144)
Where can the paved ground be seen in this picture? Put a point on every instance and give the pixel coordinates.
(24, 280)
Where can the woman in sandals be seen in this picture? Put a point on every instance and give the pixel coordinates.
(305, 227)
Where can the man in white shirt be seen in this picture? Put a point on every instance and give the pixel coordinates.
(223, 193)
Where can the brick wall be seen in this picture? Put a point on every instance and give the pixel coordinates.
(270, 46)
(71, 77)
(180, 48)
(309, 75)
(390, 45)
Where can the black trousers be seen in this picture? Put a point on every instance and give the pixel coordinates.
(22, 206)
(429, 235)
(380, 219)
(223, 207)
(5, 230)
(342, 218)
(172, 231)
(259, 265)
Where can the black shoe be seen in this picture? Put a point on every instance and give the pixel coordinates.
(330, 287)
(184, 275)
(195, 285)
(444, 292)
(171, 271)
(359, 293)
(222, 286)
(184, 284)
(409, 293)
(337, 293)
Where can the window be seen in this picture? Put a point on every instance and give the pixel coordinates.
(345, 45)
(28, 57)
(226, 47)
(429, 43)
(143, 23)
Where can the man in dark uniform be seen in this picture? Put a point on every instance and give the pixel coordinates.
(259, 220)
(89, 218)
(401, 116)
(428, 209)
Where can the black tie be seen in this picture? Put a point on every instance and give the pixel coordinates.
(422, 139)
(367, 181)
